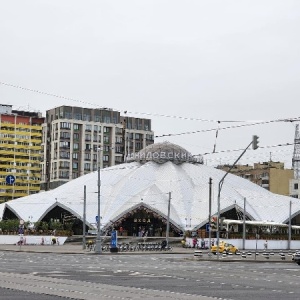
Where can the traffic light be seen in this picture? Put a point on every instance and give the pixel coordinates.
(214, 223)
(254, 142)
(222, 224)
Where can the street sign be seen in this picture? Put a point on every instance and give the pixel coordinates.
(207, 227)
(21, 230)
(114, 239)
(10, 179)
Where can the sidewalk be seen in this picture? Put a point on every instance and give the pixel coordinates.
(78, 249)
(192, 254)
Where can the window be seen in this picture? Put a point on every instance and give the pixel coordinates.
(76, 146)
(78, 116)
(65, 135)
(87, 156)
(119, 130)
(138, 146)
(106, 139)
(118, 149)
(106, 129)
(64, 164)
(64, 145)
(68, 115)
(75, 155)
(76, 126)
(87, 166)
(64, 154)
(63, 174)
(88, 137)
(106, 119)
(88, 147)
(76, 136)
(88, 127)
(295, 186)
(95, 127)
(105, 158)
(119, 140)
(65, 125)
(149, 137)
(75, 165)
(86, 117)
(105, 148)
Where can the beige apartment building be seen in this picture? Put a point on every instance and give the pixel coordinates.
(74, 138)
(269, 175)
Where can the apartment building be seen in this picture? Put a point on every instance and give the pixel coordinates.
(269, 175)
(295, 188)
(74, 138)
(20, 153)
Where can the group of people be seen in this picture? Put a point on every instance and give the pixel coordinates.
(195, 243)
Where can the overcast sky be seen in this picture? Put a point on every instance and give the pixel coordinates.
(207, 60)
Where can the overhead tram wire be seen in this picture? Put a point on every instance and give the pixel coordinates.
(229, 127)
(96, 105)
(260, 147)
(152, 114)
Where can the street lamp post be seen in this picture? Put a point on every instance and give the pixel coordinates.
(254, 144)
(98, 247)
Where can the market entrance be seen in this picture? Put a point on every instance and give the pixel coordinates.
(143, 222)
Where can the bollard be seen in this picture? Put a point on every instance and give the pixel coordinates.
(198, 253)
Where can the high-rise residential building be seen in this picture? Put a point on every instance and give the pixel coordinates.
(75, 139)
(269, 175)
(20, 152)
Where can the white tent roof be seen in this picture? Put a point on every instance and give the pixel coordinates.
(129, 185)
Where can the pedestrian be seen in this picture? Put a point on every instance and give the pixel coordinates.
(266, 245)
(202, 244)
(121, 231)
(195, 242)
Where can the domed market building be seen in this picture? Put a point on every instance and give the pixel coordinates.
(135, 196)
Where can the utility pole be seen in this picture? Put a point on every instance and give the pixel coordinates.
(244, 224)
(84, 219)
(209, 217)
(168, 221)
(98, 247)
(124, 140)
(290, 226)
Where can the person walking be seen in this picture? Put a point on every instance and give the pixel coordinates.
(266, 245)
(195, 241)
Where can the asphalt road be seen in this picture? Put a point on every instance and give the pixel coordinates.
(168, 276)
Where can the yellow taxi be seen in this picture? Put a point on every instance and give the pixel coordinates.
(224, 248)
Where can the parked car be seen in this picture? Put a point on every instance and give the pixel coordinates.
(224, 248)
(296, 257)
